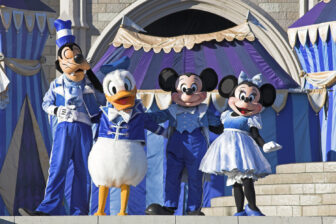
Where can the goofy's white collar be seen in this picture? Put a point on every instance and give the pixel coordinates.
(60, 86)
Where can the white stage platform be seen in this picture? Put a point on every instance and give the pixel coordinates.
(164, 220)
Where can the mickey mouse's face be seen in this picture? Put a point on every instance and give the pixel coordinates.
(188, 91)
(245, 100)
(71, 62)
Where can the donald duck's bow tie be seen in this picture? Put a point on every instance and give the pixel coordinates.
(113, 113)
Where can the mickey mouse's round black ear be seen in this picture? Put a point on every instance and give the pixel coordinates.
(167, 79)
(209, 79)
(268, 94)
(226, 85)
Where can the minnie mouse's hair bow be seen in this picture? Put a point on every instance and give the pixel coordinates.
(257, 79)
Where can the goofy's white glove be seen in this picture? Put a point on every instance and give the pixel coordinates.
(67, 113)
(271, 147)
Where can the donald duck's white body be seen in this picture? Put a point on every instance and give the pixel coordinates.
(114, 159)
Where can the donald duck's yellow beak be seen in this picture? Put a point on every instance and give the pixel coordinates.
(123, 99)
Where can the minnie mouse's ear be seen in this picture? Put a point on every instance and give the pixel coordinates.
(167, 79)
(209, 79)
(268, 94)
(226, 85)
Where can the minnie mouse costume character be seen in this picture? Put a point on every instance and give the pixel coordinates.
(236, 152)
(72, 102)
(189, 121)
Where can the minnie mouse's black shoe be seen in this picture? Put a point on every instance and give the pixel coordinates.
(156, 209)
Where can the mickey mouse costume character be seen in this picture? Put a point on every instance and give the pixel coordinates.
(73, 102)
(189, 121)
(236, 152)
(118, 159)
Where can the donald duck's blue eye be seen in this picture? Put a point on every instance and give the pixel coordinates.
(127, 84)
(111, 88)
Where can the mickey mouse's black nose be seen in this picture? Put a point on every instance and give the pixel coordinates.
(189, 91)
(78, 58)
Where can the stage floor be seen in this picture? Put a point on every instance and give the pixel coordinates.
(164, 220)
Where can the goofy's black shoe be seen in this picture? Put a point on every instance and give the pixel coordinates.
(156, 209)
(27, 212)
(196, 212)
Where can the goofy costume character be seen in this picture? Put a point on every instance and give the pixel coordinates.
(72, 103)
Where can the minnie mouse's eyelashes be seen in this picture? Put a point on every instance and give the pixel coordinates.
(242, 96)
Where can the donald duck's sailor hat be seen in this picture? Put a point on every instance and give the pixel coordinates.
(64, 34)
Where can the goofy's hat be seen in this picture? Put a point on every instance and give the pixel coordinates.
(63, 30)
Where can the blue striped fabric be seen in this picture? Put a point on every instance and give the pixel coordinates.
(23, 45)
(317, 58)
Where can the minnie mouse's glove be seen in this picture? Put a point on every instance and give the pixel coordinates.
(271, 147)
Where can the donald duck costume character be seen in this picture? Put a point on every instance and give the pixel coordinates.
(118, 158)
(72, 103)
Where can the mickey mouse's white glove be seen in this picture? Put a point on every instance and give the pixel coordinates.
(271, 147)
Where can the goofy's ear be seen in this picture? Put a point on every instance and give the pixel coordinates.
(268, 94)
(227, 85)
(167, 79)
(209, 79)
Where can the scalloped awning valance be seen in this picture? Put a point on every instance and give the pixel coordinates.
(28, 18)
(128, 38)
(163, 99)
(311, 32)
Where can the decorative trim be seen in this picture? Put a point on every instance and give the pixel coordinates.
(321, 79)
(18, 18)
(163, 99)
(280, 100)
(23, 66)
(18, 15)
(30, 21)
(317, 99)
(310, 32)
(128, 38)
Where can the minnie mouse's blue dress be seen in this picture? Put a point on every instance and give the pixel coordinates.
(235, 153)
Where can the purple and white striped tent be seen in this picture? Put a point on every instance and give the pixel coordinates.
(290, 121)
(313, 38)
(25, 137)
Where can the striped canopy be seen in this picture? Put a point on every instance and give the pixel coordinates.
(227, 52)
(25, 137)
(313, 37)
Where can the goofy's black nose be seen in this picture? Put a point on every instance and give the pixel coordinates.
(78, 58)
